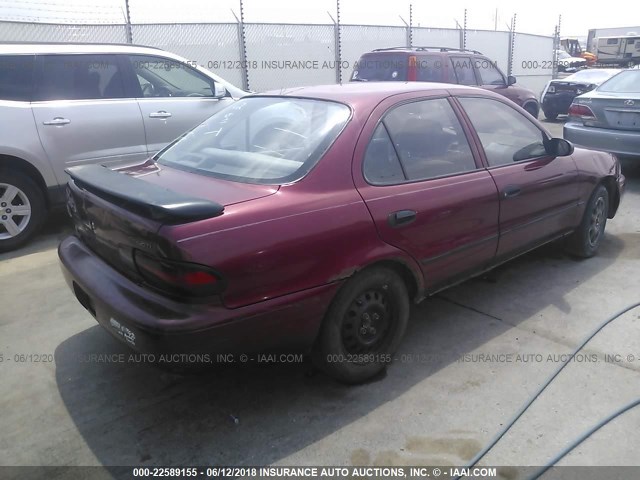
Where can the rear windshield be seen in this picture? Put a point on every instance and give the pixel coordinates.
(593, 76)
(269, 140)
(388, 67)
(627, 81)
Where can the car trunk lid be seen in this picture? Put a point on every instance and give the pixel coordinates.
(612, 110)
(117, 212)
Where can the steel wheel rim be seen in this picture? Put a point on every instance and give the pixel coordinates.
(596, 222)
(368, 321)
(15, 211)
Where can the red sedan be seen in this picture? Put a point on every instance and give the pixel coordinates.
(310, 220)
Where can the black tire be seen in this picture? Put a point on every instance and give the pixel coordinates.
(586, 239)
(363, 326)
(36, 201)
(532, 109)
(550, 115)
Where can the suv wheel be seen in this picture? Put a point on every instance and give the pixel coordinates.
(532, 109)
(550, 115)
(22, 209)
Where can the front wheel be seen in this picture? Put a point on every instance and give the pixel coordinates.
(363, 326)
(550, 115)
(586, 239)
(22, 209)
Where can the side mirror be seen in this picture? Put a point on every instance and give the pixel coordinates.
(511, 80)
(218, 90)
(559, 147)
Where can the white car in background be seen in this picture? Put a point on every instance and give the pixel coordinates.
(558, 95)
(567, 63)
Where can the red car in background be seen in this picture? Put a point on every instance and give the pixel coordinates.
(310, 220)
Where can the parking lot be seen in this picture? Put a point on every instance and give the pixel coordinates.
(472, 356)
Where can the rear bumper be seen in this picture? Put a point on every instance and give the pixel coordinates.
(153, 324)
(619, 142)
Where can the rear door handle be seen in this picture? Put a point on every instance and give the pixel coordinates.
(160, 114)
(57, 121)
(401, 217)
(511, 191)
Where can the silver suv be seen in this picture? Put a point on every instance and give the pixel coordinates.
(69, 104)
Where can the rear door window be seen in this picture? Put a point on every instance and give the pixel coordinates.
(426, 137)
(463, 69)
(80, 77)
(16, 77)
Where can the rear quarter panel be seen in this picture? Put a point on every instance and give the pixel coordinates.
(310, 233)
(19, 138)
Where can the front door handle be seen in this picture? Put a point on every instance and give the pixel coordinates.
(511, 191)
(160, 114)
(57, 121)
(401, 217)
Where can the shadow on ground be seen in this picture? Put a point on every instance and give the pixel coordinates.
(133, 414)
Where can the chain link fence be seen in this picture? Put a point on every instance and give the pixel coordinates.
(288, 55)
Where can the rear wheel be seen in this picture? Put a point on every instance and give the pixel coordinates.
(584, 242)
(550, 115)
(363, 326)
(22, 209)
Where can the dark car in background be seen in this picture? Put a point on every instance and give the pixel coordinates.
(608, 117)
(310, 220)
(558, 95)
(444, 65)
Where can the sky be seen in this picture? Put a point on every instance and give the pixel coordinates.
(539, 17)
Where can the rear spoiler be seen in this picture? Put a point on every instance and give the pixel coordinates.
(144, 198)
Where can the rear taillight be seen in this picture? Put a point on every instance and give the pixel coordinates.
(581, 111)
(178, 278)
(412, 74)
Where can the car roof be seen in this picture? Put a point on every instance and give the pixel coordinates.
(371, 93)
(22, 48)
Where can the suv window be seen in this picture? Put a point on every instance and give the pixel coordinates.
(506, 135)
(162, 77)
(79, 77)
(429, 68)
(463, 68)
(16, 77)
(428, 140)
(381, 67)
(489, 74)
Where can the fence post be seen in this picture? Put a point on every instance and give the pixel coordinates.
(512, 44)
(127, 25)
(464, 31)
(409, 26)
(556, 47)
(556, 43)
(338, 43)
(242, 47)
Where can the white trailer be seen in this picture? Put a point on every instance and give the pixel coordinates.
(622, 50)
